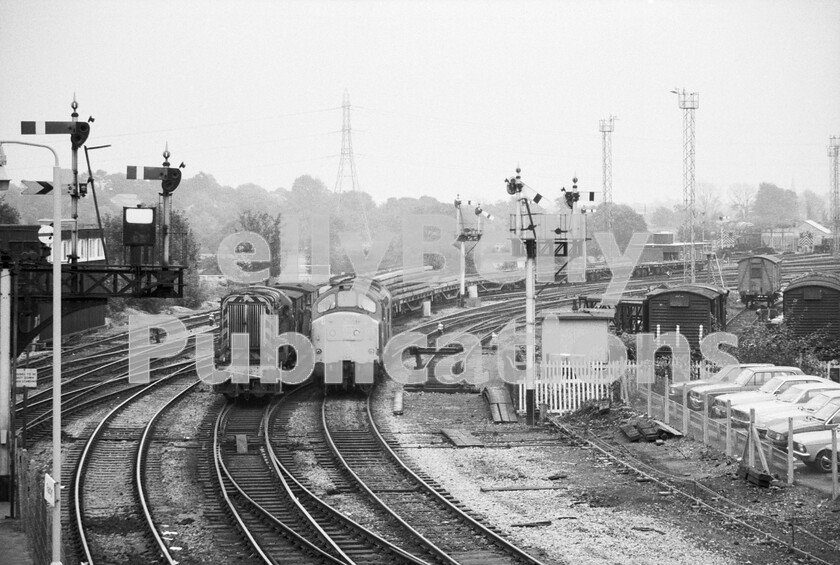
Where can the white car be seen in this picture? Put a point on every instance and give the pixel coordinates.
(768, 408)
(775, 386)
(726, 374)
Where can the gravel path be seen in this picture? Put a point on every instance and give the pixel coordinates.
(589, 521)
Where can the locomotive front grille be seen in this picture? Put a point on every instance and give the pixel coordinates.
(246, 318)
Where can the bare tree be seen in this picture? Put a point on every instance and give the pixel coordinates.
(742, 198)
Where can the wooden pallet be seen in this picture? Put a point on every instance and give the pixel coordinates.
(501, 405)
(460, 438)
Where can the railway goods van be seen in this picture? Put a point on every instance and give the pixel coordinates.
(812, 303)
(351, 326)
(759, 279)
(242, 312)
(695, 308)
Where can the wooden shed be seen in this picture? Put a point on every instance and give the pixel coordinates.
(689, 306)
(812, 303)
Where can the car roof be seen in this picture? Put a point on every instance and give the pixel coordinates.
(815, 384)
(774, 369)
(808, 378)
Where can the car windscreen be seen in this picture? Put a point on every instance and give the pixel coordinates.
(744, 376)
(790, 395)
(816, 403)
(826, 411)
(771, 385)
(726, 374)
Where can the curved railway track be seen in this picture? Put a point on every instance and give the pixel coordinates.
(282, 519)
(300, 446)
(250, 495)
(375, 462)
(107, 502)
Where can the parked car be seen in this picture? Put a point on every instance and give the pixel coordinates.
(768, 407)
(814, 449)
(726, 374)
(750, 378)
(774, 387)
(824, 418)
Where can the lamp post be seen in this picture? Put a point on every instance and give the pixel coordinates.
(56, 327)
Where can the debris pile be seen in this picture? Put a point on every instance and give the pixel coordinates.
(648, 430)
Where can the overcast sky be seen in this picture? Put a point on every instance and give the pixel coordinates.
(448, 97)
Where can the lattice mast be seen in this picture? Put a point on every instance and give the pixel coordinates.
(347, 165)
(833, 151)
(606, 128)
(689, 102)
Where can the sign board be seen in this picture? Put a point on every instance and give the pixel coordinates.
(49, 489)
(45, 234)
(26, 378)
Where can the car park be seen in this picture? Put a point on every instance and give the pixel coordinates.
(825, 418)
(750, 378)
(775, 386)
(814, 449)
(766, 408)
(726, 374)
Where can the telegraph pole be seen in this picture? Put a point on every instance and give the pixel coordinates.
(689, 102)
(606, 128)
(833, 150)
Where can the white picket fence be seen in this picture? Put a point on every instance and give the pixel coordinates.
(566, 383)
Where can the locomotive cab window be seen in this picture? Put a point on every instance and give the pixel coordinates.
(812, 293)
(327, 303)
(347, 299)
(679, 301)
(365, 303)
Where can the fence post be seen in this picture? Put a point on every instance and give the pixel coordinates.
(834, 488)
(666, 407)
(685, 411)
(751, 457)
(706, 419)
(729, 428)
(649, 400)
(790, 452)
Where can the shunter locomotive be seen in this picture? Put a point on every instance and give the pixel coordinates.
(242, 312)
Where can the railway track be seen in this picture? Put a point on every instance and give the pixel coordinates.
(300, 445)
(376, 465)
(282, 519)
(111, 521)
